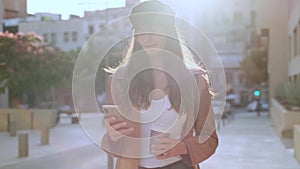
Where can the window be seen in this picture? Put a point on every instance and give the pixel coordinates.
(229, 77)
(66, 36)
(265, 32)
(290, 48)
(46, 37)
(298, 45)
(295, 36)
(74, 36)
(91, 29)
(53, 38)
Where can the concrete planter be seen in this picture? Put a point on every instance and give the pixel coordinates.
(43, 118)
(21, 118)
(282, 119)
(26, 119)
(3, 121)
(297, 142)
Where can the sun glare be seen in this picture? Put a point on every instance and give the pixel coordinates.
(67, 7)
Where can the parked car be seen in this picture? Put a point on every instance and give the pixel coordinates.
(252, 106)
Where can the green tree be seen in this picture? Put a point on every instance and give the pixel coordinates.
(29, 68)
(254, 66)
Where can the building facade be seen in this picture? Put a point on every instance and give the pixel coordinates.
(72, 34)
(64, 34)
(281, 33)
(92, 32)
(294, 42)
(14, 8)
(9, 9)
(227, 23)
(1, 15)
(12, 12)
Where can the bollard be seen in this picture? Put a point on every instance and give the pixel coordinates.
(12, 128)
(110, 162)
(45, 131)
(23, 144)
(74, 119)
(296, 136)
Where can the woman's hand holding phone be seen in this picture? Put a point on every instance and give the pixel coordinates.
(116, 127)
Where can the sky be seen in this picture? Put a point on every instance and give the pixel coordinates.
(77, 7)
(67, 7)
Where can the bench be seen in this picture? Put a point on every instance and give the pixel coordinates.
(70, 114)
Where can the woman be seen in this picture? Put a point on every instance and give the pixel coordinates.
(165, 96)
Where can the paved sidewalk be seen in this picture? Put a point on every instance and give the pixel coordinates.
(250, 142)
(246, 142)
(70, 147)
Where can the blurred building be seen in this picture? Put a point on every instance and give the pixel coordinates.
(294, 41)
(3, 95)
(73, 33)
(97, 20)
(228, 23)
(1, 15)
(9, 9)
(14, 8)
(284, 39)
(64, 34)
(99, 28)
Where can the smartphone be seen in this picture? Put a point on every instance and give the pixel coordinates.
(110, 110)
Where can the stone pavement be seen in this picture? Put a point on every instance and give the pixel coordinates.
(250, 142)
(70, 147)
(246, 142)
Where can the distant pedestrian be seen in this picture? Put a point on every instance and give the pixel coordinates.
(258, 107)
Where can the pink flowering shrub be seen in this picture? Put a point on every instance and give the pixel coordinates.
(27, 67)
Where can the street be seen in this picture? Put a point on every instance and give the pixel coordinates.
(245, 141)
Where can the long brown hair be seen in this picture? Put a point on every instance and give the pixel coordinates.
(142, 84)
